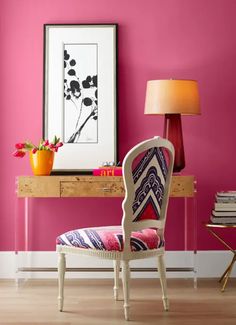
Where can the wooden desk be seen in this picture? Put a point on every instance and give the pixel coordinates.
(99, 186)
(90, 186)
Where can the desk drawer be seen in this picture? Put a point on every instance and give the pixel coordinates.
(92, 189)
(38, 186)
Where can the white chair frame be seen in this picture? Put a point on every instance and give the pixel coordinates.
(127, 227)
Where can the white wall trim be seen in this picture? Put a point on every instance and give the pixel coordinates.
(210, 264)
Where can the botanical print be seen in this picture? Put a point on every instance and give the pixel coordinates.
(80, 93)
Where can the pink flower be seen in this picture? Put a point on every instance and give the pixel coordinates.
(46, 143)
(19, 145)
(34, 150)
(23, 147)
(19, 153)
(59, 144)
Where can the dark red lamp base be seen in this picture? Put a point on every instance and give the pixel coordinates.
(173, 132)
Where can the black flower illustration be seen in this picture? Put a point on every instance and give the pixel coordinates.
(75, 91)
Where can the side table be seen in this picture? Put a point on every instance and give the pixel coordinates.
(211, 228)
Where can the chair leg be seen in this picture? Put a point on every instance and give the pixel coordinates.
(61, 277)
(126, 278)
(116, 278)
(162, 273)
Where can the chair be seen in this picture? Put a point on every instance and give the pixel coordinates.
(147, 171)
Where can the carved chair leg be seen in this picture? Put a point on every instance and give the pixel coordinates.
(116, 278)
(126, 278)
(61, 277)
(162, 273)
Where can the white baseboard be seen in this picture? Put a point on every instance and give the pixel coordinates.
(210, 264)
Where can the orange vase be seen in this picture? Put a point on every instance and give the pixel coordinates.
(41, 162)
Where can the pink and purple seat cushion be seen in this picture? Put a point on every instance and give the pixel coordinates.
(110, 239)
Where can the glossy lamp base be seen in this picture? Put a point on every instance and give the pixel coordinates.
(173, 132)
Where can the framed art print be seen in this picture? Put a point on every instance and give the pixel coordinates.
(80, 94)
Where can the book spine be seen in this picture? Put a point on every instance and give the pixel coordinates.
(225, 206)
(107, 172)
(226, 220)
(225, 199)
(227, 193)
(223, 213)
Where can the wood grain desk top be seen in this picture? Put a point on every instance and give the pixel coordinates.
(90, 186)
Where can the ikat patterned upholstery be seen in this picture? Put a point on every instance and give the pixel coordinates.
(149, 176)
(110, 239)
(149, 171)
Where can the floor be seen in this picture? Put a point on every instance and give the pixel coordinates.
(90, 302)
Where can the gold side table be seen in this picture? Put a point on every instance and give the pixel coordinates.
(211, 228)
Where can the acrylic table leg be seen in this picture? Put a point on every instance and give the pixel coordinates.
(16, 236)
(26, 221)
(27, 253)
(20, 229)
(185, 224)
(195, 239)
(186, 233)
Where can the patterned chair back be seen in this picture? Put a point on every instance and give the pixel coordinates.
(147, 170)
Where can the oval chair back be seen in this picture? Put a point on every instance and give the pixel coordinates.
(147, 170)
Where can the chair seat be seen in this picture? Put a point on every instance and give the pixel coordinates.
(110, 239)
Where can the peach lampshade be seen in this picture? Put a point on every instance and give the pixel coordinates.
(172, 97)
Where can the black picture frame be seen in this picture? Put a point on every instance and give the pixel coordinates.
(84, 115)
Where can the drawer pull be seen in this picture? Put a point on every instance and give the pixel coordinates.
(105, 189)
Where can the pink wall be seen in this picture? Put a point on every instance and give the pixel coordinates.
(157, 39)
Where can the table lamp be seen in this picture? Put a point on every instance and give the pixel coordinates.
(173, 98)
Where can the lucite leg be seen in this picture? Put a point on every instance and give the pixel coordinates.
(27, 253)
(193, 230)
(16, 235)
(195, 237)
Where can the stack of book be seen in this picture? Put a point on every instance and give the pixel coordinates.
(225, 208)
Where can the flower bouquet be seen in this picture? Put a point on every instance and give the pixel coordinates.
(41, 156)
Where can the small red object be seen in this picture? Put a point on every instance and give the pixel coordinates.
(108, 171)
